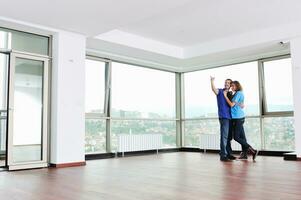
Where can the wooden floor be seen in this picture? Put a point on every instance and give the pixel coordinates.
(174, 176)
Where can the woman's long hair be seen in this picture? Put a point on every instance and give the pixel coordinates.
(238, 85)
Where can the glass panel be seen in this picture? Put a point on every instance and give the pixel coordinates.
(278, 85)
(95, 86)
(279, 133)
(200, 101)
(3, 106)
(4, 40)
(95, 140)
(252, 131)
(194, 128)
(27, 113)
(142, 93)
(27, 42)
(166, 128)
(30, 43)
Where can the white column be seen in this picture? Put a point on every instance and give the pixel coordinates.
(296, 63)
(67, 101)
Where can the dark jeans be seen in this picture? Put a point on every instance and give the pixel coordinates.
(239, 133)
(224, 129)
(230, 137)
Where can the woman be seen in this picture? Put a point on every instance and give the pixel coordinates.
(238, 119)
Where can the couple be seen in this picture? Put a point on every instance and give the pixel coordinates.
(231, 117)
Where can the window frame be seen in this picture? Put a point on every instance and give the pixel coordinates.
(262, 99)
(10, 49)
(106, 115)
(262, 91)
(180, 118)
(107, 69)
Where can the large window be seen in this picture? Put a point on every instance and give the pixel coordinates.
(278, 104)
(142, 93)
(278, 85)
(271, 129)
(200, 102)
(201, 105)
(127, 99)
(95, 139)
(95, 86)
(143, 101)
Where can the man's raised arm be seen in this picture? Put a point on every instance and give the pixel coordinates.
(214, 89)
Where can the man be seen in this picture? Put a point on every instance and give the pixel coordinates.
(224, 114)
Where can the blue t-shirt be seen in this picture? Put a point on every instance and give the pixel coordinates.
(236, 111)
(223, 107)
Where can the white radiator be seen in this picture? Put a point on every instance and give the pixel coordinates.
(212, 141)
(139, 142)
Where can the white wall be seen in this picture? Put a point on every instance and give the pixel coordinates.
(68, 93)
(296, 62)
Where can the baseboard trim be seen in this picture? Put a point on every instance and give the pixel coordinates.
(63, 165)
(261, 152)
(127, 154)
(169, 150)
(292, 156)
(97, 156)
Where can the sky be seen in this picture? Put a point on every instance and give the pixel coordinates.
(141, 89)
(198, 91)
(95, 85)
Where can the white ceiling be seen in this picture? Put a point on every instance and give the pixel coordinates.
(174, 29)
(176, 22)
(90, 17)
(206, 20)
